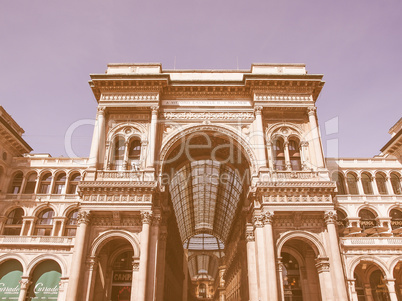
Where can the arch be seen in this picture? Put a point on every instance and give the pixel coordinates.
(351, 182)
(356, 260)
(69, 209)
(115, 131)
(105, 237)
(311, 239)
(38, 209)
(243, 144)
(368, 207)
(43, 257)
(339, 178)
(14, 256)
(292, 128)
(392, 264)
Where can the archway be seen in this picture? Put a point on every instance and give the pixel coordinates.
(114, 263)
(207, 174)
(370, 282)
(10, 276)
(303, 271)
(45, 281)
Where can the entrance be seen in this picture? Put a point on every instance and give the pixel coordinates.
(122, 277)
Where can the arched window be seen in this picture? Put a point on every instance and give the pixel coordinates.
(352, 184)
(279, 154)
(122, 279)
(341, 221)
(14, 222)
(381, 183)
(60, 184)
(134, 151)
(71, 225)
(340, 182)
(396, 184)
(366, 182)
(45, 183)
(118, 153)
(367, 219)
(31, 183)
(44, 223)
(294, 154)
(73, 183)
(15, 187)
(396, 220)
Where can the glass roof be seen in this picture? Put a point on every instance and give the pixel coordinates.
(203, 264)
(205, 195)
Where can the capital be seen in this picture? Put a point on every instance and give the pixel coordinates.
(146, 217)
(101, 110)
(322, 264)
(136, 265)
(155, 110)
(267, 217)
(330, 217)
(83, 217)
(258, 221)
(250, 235)
(258, 110)
(311, 110)
(24, 282)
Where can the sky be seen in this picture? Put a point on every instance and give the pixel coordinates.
(49, 48)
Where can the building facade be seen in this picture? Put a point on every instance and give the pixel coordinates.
(200, 185)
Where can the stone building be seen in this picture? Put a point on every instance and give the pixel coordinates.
(200, 185)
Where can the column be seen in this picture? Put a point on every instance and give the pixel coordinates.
(391, 289)
(271, 260)
(153, 251)
(251, 264)
(32, 224)
(324, 275)
(3, 220)
(152, 137)
(259, 140)
(389, 185)
(92, 264)
(160, 275)
(303, 155)
(24, 283)
(78, 255)
(270, 152)
(146, 218)
(374, 185)
(288, 166)
(98, 137)
(261, 260)
(280, 273)
(352, 290)
(315, 136)
(360, 185)
(134, 281)
(62, 285)
(125, 159)
(330, 220)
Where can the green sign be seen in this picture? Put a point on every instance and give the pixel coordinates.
(45, 282)
(10, 275)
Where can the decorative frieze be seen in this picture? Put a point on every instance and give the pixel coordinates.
(294, 198)
(117, 198)
(207, 116)
(278, 98)
(129, 97)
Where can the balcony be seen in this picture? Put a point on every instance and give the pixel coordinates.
(36, 240)
(128, 175)
(372, 242)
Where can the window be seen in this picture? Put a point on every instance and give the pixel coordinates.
(45, 183)
(341, 221)
(294, 154)
(396, 219)
(71, 225)
(352, 184)
(14, 222)
(16, 183)
(367, 219)
(381, 184)
(134, 152)
(118, 153)
(31, 183)
(396, 184)
(202, 291)
(73, 185)
(366, 182)
(44, 223)
(340, 183)
(60, 184)
(279, 154)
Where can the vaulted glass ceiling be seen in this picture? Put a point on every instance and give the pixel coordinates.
(203, 265)
(205, 195)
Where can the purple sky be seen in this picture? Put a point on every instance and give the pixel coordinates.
(49, 48)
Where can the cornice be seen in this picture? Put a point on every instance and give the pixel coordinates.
(90, 187)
